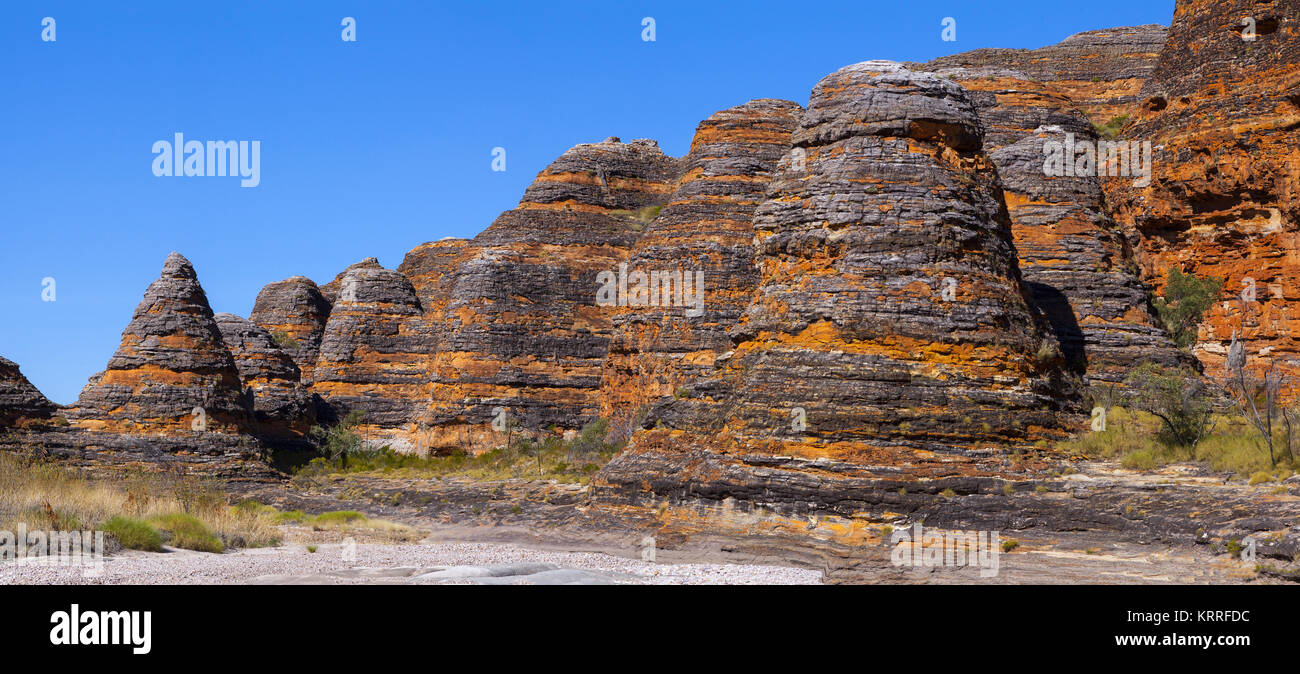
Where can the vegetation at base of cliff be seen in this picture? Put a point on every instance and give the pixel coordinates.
(548, 457)
(133, 506)
(338, 442)
(133, 533)
(1135, 438)
(1184, 303)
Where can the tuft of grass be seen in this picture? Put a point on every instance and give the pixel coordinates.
(337, 517)
(189, 532)
(1010, 544)
(1260, 477)
(312, 548)
(133, 533)
(352, 523)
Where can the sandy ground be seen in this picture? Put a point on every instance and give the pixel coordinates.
(422, 563)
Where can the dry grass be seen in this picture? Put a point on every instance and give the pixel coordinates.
(44, 495)
(1131, 436)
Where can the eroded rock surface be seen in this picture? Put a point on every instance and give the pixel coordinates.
(891, 333)
(1223, 116)
(1074, 258)
(374, 355)
(1101, 71)
(522, 334)
(294, 313)
(704, 233)
(19, 400)
(281, 405)
(172, 372)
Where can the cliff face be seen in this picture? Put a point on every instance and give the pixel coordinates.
(705, 233)
(1101, 71)
(294, 313)
(19, 400)
(172, 372)
(890, 335)
(1223, 116)
(281, 406)
(1073, 257)
(522, 338)
(374, 354)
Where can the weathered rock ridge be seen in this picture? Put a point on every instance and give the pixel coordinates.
(1223, 114)
(19, 400)
(891, 334)
(705, 233)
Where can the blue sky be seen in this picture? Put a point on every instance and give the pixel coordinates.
(372, 147)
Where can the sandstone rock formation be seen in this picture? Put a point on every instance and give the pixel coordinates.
(1076, 262)
(294, 312)
(1101, 71)
(1223, 114)
(705, 232)
(281, 406)
(522, 334)
(19, 400)
(172, 372)
(891, 336)
(374, 355)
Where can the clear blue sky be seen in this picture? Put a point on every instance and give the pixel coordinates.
(373, 147)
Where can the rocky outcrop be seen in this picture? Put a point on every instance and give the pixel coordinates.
(1101, 71)
(891, 335)
(1222, 113)
(172, 373)
(523, 339)
(20, 401)
(374, 355)
(705, 232)
(171, 395)
(281, 406)
(1074, 259)
(294, 313)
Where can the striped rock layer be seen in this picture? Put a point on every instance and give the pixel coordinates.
(1101, 71)
(1074, 259)
(706, 232)
(281, 406)
(891, 333)
(172, 372)
(522, 339)
(19, 400)
(374, 354)
(294, 312)
(1223, 114)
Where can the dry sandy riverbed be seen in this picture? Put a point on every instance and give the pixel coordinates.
(420, 563)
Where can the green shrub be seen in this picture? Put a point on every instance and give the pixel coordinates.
(133, 534)
(338, 516)
(188, 532)
(1185, 302)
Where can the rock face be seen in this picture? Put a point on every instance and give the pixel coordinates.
(294, 313)
(522, 334)
(19, 400)
(1074, 259)
(374, 355)
(1223, 115)
(1101, 71)
(891, 335)
(705, 229)
(281, 406)
(172, 373)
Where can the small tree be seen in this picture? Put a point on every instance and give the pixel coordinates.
(1186, 300)
(1178, 397)
(1256, 396)
(337, 441)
